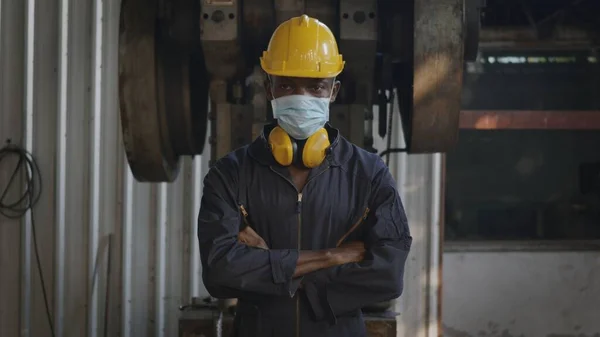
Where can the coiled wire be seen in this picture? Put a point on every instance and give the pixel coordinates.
(24, 203)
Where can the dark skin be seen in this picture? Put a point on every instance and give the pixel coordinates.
(308, 261)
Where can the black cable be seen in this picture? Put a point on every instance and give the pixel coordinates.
(390, 125)
(25, 202)
(392, 150)
(107, 291)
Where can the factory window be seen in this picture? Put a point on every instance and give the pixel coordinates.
(524, 185)
(527, 164)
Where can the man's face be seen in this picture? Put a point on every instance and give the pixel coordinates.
(279, 86)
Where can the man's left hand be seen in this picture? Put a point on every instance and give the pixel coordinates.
(250, 238)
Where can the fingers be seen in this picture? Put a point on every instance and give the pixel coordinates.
(249, 231)
(250, 238)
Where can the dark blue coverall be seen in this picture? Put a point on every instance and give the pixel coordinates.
(350, 183)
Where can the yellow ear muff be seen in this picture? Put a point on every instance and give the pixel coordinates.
(315, 149)
(281, 146)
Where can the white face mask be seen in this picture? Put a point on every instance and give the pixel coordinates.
(299, 115)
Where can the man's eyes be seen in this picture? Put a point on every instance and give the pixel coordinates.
(315, 88)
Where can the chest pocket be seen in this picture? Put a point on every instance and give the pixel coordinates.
(260, 211)
(241, 193)
(355, 229)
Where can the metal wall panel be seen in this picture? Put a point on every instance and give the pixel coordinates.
(419, 181)
(58, 98)
(521, 293)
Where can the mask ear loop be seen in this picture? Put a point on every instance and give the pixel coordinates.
(270, 80)
(330, 97)
(332, 88)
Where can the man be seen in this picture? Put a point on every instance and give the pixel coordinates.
(301, 226)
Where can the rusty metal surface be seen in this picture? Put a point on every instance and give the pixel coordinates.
(200, 322)
(163, 86)
(381, 327)
(183, 79)
(529, 120)
(259, 24)
(437, 76)
(148, 148)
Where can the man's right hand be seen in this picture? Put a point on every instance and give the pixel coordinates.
(349, 252)
(311, 261)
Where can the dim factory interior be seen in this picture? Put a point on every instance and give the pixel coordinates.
(487, 113)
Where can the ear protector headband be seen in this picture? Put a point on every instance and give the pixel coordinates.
(308, 153)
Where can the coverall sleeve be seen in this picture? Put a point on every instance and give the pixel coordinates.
(379, 277)
(231, 269)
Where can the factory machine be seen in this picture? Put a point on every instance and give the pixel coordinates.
(185, 63)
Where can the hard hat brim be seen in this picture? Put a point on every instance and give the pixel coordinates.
(301, 73)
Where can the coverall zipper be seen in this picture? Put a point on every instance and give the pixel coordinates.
(299, 212)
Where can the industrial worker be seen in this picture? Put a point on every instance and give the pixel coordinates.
(301, 226)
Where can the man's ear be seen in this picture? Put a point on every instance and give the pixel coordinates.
(335, 90)
(268, 90)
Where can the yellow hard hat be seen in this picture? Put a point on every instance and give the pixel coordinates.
(302, 47)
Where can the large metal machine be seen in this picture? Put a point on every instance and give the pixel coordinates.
(188, 64)
(183, 63)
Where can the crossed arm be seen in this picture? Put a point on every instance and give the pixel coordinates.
(311, 261)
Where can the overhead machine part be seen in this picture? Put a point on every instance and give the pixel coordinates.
(163, 86)
(187, 64)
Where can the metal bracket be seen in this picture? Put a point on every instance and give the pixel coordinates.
(358, 20)
(358, 29)
(220, 36)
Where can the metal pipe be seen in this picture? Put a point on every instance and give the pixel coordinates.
(28, 140)
(61, 172)
(95, 151)
(529, 120)
(495, 34)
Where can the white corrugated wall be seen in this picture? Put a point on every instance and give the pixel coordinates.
(58, 98)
